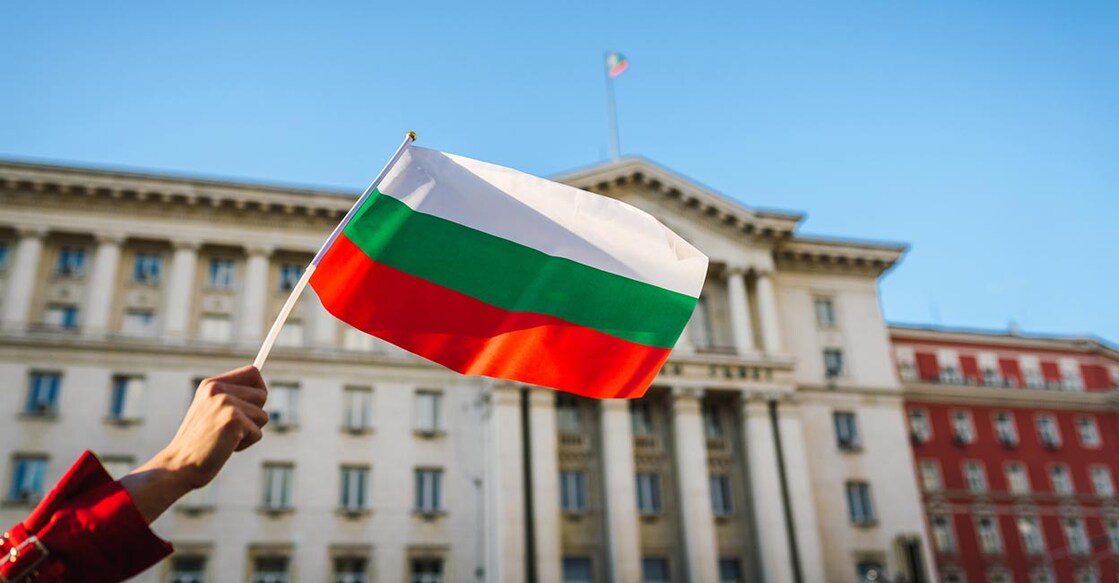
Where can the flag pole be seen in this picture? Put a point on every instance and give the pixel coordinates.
(611, 108)
(289, 304)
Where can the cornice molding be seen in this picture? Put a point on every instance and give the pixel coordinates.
(1006, 397)
(981, 339)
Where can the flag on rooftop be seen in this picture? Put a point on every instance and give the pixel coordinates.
(489, 271)
(616, 64)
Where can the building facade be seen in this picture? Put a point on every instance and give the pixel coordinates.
(1014, 440)
(772, 446)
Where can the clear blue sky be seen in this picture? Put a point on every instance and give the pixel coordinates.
(984, 134)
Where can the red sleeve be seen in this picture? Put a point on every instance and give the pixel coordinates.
(86, 529)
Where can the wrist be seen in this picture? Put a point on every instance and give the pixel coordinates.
(156, 485)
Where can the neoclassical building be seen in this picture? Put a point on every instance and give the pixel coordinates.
(772, 447)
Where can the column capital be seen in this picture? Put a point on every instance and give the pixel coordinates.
(541, 397)
(259, 249)
(682, 393)
(108, 238)
(185, 244)
(763, 273)
(733, 269)
(505, 393)
(614, 405)
(31, 232)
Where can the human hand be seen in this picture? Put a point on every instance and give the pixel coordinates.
(226, 415)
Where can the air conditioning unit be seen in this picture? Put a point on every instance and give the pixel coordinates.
(960, 439)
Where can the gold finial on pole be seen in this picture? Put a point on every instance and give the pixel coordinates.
(412, 135)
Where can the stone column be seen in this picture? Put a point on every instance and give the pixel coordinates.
(620, 492)
(545, 484)
(765, 490)
(325, 332)
(21, 280)
(505, 534)
(741, 329)
(694, 486)
(767, 312)
(254, 296)
(180, 289)
(791, 428)
(102, 284)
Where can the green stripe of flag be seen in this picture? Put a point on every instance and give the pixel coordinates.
(513, 277)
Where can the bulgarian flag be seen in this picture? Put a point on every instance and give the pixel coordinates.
(616, 64)
(489, 271)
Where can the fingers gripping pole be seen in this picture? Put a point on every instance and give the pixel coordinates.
(289, 305)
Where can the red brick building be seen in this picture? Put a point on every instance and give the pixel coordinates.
(1015, 443)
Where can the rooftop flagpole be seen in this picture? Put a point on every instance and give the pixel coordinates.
(611, 107)
(289, 304)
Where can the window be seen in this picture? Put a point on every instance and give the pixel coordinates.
(577, 570)
(1017, 479)
(127, 395)
(358, 414)
(1087, 574)
(188, 569)
(145, 269)
(721, 496)
(271, 569)
(976, 477)
(427, 570)
(953, 577)
(3, 255)
(1074, 534)
(61, 316)
(351, 569)
(355, 484)
(1061, 479)
(825, 312)
(1101, 481)
(730, 570)
(138, 323)
(1089, 432)
(997, 574)
(846, 431)
(1071, 380)
(1005, 430)
(429, 490)
(859, 506)
(869, 571)
(1033, 540)
(963, 430)
(950, 375)
(1047, 431)
(990, 542)
(930, 475)
(356, 340)
(277, 486)
(641, 418)
(648, 493)
(573, 491)
(289, 276)
(907, 365)
(1113, 534)
(429, 411)
(283, 405)
(919, 425)
(221, 273)
(991, 377)
(654, 570)
(568, 419)
(215, 328)
(833, 363)
(1041, 574)
(71, 262)
(712, 423)
(42, 393)
(291, 334)
(943, 537)
(1034, 380)
(27, 478)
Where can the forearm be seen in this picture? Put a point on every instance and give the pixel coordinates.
(155, 486)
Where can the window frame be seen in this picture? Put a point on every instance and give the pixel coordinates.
(428, 491)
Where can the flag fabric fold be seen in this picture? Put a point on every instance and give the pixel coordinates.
(490, 271)
(616, 64)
